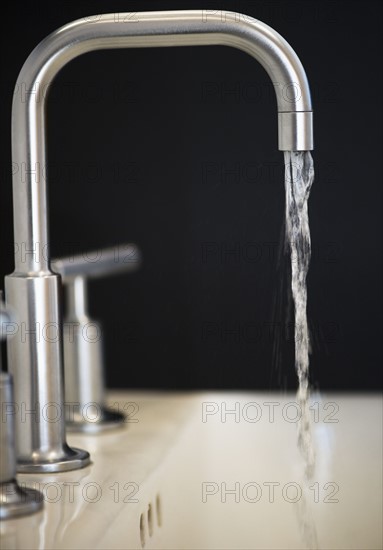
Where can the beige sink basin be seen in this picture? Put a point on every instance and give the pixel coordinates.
(186, 473)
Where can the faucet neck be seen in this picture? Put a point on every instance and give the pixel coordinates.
(150, 29)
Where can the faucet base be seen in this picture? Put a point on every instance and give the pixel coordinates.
(73, 459)
(16, 501)
(107, 420)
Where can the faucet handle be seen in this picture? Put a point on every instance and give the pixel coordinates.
(83, 349)
(99, 263)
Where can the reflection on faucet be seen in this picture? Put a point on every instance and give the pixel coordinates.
(63, 499)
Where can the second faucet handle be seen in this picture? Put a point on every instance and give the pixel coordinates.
(83, 350)
(99, 263)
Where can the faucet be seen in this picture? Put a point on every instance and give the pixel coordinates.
(15, 500)
(35, 355)
(82, 338)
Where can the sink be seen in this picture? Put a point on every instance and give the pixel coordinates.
(216, 471)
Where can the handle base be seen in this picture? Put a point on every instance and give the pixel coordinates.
(16, 502)
(107, 420)
(74, 459)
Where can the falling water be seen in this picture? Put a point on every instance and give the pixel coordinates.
(298, 181)
(299, 175)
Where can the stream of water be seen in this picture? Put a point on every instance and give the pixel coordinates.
(299, 176)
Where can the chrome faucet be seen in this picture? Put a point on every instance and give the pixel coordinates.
(35, 356)
(83, 343)
(15, 500)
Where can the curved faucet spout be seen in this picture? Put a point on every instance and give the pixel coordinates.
(150, 29)
(33, 289)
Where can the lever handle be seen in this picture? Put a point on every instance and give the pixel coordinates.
(98, 263)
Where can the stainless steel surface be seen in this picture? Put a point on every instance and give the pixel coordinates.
(150, 29)
(121, 258)
(296, 127)
(14, 500)
(33, 289)
(7, 435)
(34, 360)
(5, 321)
(83, 344)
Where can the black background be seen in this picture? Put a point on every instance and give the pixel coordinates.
(142, 148)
